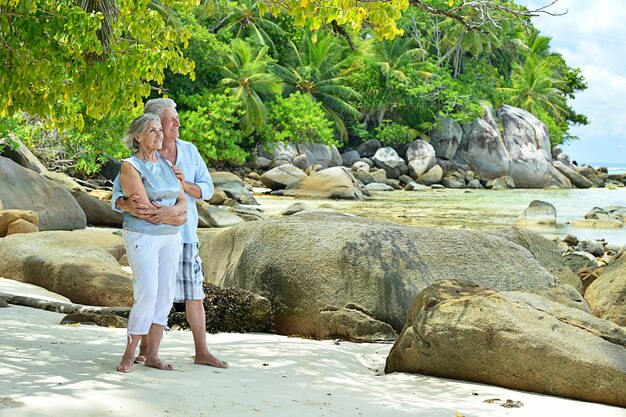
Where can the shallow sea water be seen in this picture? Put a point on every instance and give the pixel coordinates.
(472, 209)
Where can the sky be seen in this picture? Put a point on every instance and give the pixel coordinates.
(592, 37)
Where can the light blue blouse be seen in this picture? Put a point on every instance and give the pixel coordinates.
(162, 187)
(188, 159)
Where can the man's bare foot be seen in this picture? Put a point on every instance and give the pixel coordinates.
(126, 365)
(210, 360)
(140, 358)
(158, 364)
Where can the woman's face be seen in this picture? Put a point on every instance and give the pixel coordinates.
(151, 139)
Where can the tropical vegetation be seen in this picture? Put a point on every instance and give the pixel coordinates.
(249, 73)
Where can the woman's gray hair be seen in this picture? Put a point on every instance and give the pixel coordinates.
(137, 127)
(157, 105)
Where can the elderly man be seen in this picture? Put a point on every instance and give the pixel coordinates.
(197, 184)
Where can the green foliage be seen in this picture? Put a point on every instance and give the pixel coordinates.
(79, 153)
(104, 58)
(230, 310)
(246, 75)
(297, 118)
(317, 67)
(393, 134)
(207, 53)
(211, 124)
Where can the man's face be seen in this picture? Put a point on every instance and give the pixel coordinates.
(170, 123)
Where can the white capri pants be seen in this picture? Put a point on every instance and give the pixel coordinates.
(154, 262)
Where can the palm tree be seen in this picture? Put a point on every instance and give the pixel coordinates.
(459, 43)
(245, 74)
(319, 68)
(534, 88)
(246, 21)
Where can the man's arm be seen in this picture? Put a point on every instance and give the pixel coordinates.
(120, 203)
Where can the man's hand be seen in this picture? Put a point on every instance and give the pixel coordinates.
(188, 187)
(132, 206)
(179, 173)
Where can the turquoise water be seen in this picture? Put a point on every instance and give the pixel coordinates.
(613, 168)
(475, 209)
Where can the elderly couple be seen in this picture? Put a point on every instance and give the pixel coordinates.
(157, 193)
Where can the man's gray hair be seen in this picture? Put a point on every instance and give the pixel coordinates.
(137, 127)
(157, 105)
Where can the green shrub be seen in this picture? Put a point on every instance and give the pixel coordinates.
(297, 118)
(392, 134)
(213, 127)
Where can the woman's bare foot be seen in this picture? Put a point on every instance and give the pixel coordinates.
(158, 364)
(210, 360)
(140, 358)
(125, 365)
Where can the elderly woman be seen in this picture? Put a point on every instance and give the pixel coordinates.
(153, 250)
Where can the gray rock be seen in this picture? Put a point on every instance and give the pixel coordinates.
(282, 176)
(592, 246)
(278, 150)
(545, 252)
(335, 182)
(512, 339)
(80, 265)
(570, 239)
(369, 148)
(379, 266)
(445, 137)
(421, 157)
(580, 261)
(22, 156)
(575, 178)
(319, 154)
(295, 208)
(433, 176)
(376, 186)
(301, 161)
(57, 211)
(354, 325)
(387, 158)
(607, 293)
(538, 213)
(349, 159)
(211, 216)
(261, 162)
(502, 183)
(452, 182)
(98, 212)
(3, 303)
(361, 166)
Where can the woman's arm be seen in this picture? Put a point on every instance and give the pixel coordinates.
(131, 184)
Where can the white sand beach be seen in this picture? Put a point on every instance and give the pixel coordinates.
(60, 371)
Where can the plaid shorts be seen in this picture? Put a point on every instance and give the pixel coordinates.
(190, 275)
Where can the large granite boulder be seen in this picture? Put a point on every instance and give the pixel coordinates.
(512, 339)
(521, 151)
(573, 175)
(607, 294)
(282, 176)
(278, 150)
(545, 253)
(98, 212)
(528, 143)
(22, 156)
(318, 153)
(335, 182)
(315, 261)
(24, 189)
(445, 137)
(421, 157)
(389, 160)
(81, 266)
(369, 148)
